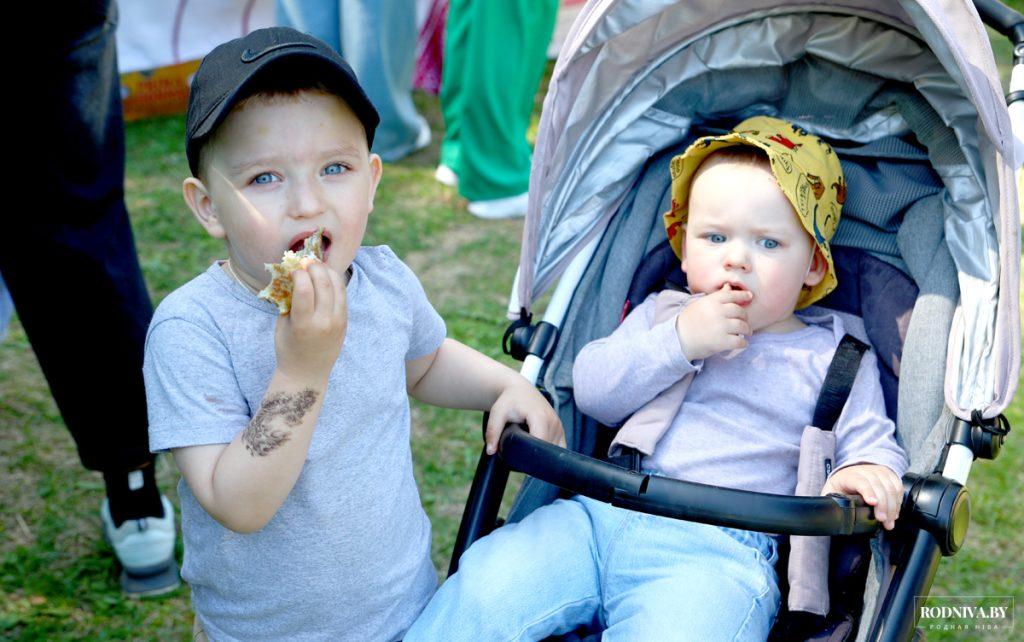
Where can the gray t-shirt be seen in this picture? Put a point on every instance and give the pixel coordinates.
(347, 557)
(741, 421)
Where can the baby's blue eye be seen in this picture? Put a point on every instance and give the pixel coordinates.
(264, 178)
(334, 168)
(769, 244)
(716, 238)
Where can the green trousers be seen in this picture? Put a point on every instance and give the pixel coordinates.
(495, 53)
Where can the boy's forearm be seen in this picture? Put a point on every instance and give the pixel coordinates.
(255, 472)
(460, 377)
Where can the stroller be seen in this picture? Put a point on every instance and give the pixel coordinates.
(927, 252)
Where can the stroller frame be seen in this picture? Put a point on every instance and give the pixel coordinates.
(936, 507)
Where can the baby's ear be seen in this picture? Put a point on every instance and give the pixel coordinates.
(197, 197)
(816, 272)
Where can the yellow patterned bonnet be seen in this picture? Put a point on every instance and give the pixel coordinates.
(805, 167)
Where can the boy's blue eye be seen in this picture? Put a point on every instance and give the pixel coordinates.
(335, 168)
(716, 238)
(263, 179)
(769, 244)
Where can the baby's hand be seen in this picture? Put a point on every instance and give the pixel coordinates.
(309, 338)
(714, 323)
(879, 486)
(520, 402)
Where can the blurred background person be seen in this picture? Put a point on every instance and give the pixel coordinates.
(495, 53)
(432, 15)
(378, 40)
(69, 263)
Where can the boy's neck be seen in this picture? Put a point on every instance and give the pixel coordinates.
(230, 271)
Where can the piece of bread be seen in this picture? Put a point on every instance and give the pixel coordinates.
(279, 291)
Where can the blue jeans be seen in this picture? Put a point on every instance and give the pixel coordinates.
(581, 561)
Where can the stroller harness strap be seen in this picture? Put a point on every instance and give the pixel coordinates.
(809, 556)
(838, 382)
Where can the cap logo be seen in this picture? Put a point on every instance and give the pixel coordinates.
(249, 55)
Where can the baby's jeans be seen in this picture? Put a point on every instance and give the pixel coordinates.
(580, 561)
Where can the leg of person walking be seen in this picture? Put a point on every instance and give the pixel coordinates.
(452, 94)
(318, 18)
(71, 268)
(378, 39)
(488, 109)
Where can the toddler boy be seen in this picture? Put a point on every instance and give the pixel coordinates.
(752, 212)
(300, 513)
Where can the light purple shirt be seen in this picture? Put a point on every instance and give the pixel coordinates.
(740, 423)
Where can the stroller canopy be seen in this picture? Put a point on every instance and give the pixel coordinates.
(604, 116)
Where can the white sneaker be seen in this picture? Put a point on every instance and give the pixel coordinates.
(446, 176)
(145, 548)
(509, 207)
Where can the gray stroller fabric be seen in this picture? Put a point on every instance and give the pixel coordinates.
(923, 367)
(884, 297)
(886, 176)
(924, 419)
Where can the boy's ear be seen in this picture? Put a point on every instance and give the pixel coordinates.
(376, 169)
(197, 197)
(816, 271)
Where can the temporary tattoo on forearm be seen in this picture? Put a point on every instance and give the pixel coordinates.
(259, 437)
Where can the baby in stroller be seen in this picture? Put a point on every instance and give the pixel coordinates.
(752, 214)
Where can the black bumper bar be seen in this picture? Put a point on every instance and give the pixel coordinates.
(782, 514)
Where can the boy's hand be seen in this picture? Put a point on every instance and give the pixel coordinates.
(714, 323)
(309, 338)
(520, 402)
(879, 486)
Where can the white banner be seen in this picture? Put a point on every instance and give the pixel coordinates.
(158, 33)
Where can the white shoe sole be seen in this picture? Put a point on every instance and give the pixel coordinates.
(141, 586)
(510, 207)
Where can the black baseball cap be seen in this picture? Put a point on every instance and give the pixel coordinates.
(230, 68)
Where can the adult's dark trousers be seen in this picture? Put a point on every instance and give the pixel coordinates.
(66, 247)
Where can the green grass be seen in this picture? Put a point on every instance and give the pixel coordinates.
(58, 581)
